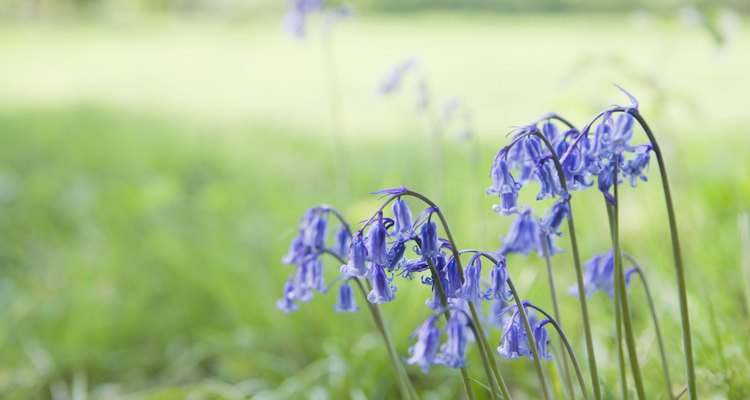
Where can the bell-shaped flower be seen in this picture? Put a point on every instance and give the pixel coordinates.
(376, 244)
(470, 290)
(424, 352)
(357, 265)
(403, 229)
(499, 282)
(453, 351)
(382, 290)
(346, 302)
(554, 217)
(429, 236)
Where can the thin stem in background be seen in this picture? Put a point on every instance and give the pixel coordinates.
(657, 329)
(334, 111)
(623, 295)
(687, 341)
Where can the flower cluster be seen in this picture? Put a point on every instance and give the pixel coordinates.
(599, 275)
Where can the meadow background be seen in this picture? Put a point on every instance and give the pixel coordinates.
(156, 156)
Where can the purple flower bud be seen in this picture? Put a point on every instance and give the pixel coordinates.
(523, 235)
(403, 228)
(470, 289)
(297, 252)
(430, 246)
(357, 259)
(453, 288)
(343, 241)
(395, 255)
(428, 340)
(286, 303)
(453, 352)
(498, 282)
(599, 275)
(346, 302)
(382, 291)
(541, 337)
(554, 217)
(376, 246)
(315, 232)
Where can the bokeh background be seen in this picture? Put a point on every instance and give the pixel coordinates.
(155, 157)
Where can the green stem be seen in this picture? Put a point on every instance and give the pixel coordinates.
(687, 340)
(655, 318)
(530, 335)
(623, 296)
(618, 314)
(593, 370)
(568, 347)
(444, 302)
(457, 257)
(405, 386)
(553, 292)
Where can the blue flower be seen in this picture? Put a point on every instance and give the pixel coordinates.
(541, 338)
(392, 81)
(523, 235)
(606, 177)
(315, 231)
(382, 290)
(410, 267)
(453, 352)
(599, 274)
(430, 245)
(424, 352)
(470, 290)
(297, 252)
(300, 290)
(395, 255)
(554, 217)
(395, 191)
(436, 302)
(622, 131)
(376, 245)
(498, 281)
(505, 187)
(357, 259)
(343, 241)
(453, 287)
(346, 302)
(403, 229)
(286, 303)
(634, 168)
(313, 274)
(296, 15)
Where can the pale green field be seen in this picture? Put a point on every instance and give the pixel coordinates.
(152, 172)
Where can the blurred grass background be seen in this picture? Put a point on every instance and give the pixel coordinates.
(153, 168)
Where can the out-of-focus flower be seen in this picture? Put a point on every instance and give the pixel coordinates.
(357, 258)
(505, 187)
(470, 290)
(599, 274)
(297, 13)
(382, 290)
(554, 217)
(423, 352)
(376, 245)
(392, 81)
(346, 302)
(453, 352)
(429, 236)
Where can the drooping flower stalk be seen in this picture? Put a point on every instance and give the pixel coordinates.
(621, 294)
(655, 319)
(593, 370)
(622, 367)
(677, 255)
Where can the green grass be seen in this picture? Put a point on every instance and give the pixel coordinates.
(147, 193)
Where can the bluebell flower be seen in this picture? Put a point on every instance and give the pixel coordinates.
(550, 131)
(403, 229)
(599, 275)
(313, 272)
(315, 231)
(394, 191)
(376, 245)
(429, 236)
(550, 182)
(296, 15)
(618, 140)
(424, 352)
(606, 177)
(634, 167)
(286, 303)
(496, 316)
(574, 167)
(453, 351)
(505, 187)
(410, 267)
(343, 241)
(382, 290)
(357, 259)
(523, 235)
(633, 100)
(470, 290)
(300, 290)
(297, 251)
(554, 217)
(346, 302)
(392, 81)
(453, 287)
(436, 303)
(541, 338)
(499, 281)
(395, 255)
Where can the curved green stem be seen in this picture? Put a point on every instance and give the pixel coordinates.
(553, 293)
(655, 318)
(622, 366)
(568, 348)
(623, 296)
(593, 370)
(404, 383)
(456, 255)
(687, 341)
